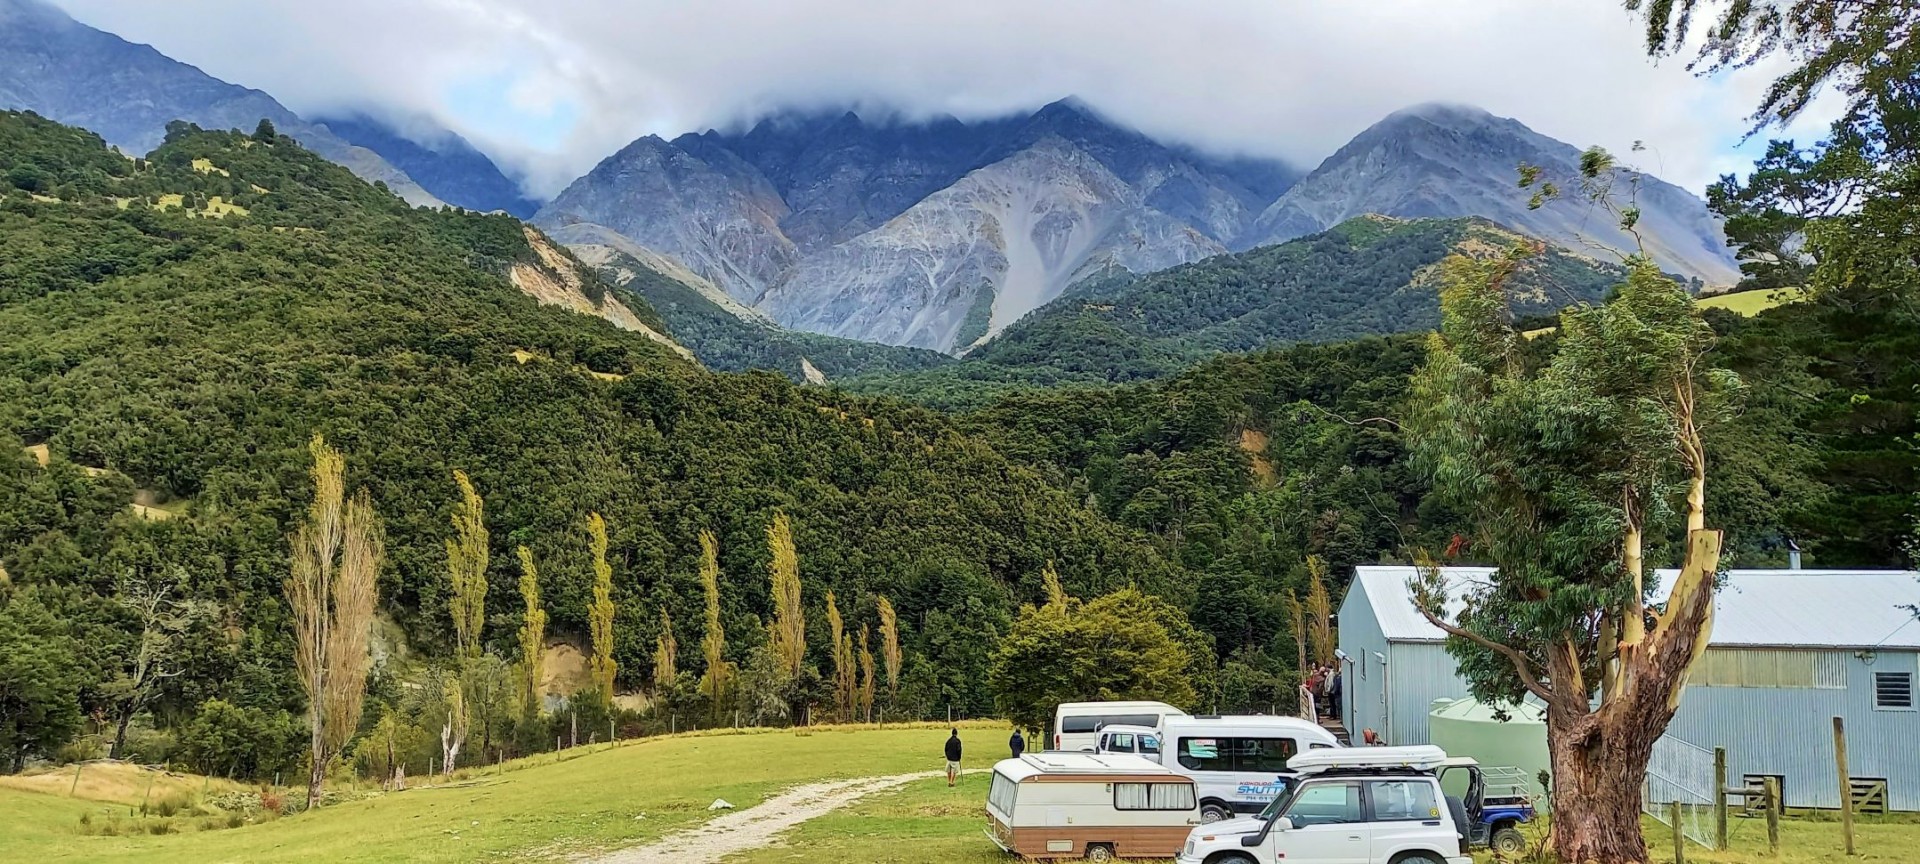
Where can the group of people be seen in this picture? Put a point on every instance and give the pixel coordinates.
(1017, 744)
(1324, 683)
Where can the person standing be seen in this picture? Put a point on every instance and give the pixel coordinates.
(1334, 694)
(953, 757)
(1018, 744)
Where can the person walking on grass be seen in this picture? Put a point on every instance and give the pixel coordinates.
(1018, 744)
(953, 757)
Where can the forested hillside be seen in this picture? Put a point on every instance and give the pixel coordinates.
(158, 355)
(1368, 276)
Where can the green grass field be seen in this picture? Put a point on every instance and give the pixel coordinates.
(1750, 303)
(545, 809)
(610, 798)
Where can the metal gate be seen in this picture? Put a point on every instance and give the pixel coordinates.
(1681, 773)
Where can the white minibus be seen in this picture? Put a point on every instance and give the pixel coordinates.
(1238, 763)
(1076, 725)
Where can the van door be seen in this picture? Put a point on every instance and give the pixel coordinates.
(1329, 826)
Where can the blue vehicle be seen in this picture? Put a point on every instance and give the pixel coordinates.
(1496, 804)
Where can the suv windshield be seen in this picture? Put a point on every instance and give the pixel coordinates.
(1280, 801)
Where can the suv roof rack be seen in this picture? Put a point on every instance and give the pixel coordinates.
(1368, 759)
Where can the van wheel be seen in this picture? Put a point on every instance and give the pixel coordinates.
(1508, 840)
(1211, 813)
(1235, 858)
(1099, 853)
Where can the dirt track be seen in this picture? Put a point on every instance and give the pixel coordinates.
(757, 826)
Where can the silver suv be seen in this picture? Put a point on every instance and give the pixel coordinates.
(1366, 813)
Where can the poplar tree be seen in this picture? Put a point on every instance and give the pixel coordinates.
(866, 676)
(533, 634)
(336, 553)
(845, 675)
(664, 650)
(467, 568)
(715, 680)
(601, 665)
(1320, 606)
(787, 635)
(890, 646)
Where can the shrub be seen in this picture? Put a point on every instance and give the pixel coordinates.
(241, 742)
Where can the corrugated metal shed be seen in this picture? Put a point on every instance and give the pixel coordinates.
(1755, 608)
(1815, 608)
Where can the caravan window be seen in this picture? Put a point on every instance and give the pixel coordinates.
(1002, 793)
(1153, 796)
(1237, 754)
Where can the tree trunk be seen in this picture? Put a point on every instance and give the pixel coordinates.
(120, 734)
(1598, 776)
(317, 776)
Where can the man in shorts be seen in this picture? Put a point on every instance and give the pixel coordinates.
(953, 757)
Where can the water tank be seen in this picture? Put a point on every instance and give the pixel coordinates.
(1467, 727)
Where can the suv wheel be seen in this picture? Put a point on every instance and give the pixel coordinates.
(1418, 858)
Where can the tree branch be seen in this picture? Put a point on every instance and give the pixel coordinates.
(1521, 664)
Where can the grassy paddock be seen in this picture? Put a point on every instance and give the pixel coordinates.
(557, 806)
(547, 806)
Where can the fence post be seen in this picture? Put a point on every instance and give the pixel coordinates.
(1720, 798)
(1679, 838)
(1773, 814)
(75, 788)
(1846, 782)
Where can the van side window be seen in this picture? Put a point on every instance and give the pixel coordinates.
(1080, 723)
(1153, 796)
(1325, 804)
(1237, 754)
(1402, 800)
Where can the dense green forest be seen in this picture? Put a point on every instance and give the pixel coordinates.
(1370, 275)
(186, 360)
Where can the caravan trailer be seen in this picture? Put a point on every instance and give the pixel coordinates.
(1082, 805)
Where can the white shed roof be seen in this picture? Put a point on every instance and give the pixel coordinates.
(1773, 608)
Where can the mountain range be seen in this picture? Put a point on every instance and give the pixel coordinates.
(64, 70)
(939, 234)
(931, 234)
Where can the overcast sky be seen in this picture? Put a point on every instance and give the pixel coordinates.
(549, 87)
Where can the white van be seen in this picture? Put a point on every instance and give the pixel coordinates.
(1137, 740)
(1239, 763)
(1360, 805)
(1076, 725)
(1082, 805)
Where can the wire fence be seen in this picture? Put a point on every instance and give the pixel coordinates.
(1681, 773)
